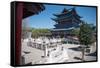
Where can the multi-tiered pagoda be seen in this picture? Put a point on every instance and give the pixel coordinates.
(66, 21)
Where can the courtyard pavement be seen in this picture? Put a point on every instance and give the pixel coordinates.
(75, 55)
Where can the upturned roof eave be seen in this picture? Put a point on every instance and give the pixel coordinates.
(30, 10)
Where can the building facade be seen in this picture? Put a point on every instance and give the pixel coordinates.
(66, 21)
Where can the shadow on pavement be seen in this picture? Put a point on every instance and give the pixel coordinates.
(92, 54)
(75, 49)
(78, 58)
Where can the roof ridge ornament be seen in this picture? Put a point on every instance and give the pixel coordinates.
(65, 10)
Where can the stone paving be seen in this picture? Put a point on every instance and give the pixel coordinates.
(72, 54)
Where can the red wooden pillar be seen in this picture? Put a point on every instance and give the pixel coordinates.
(19, 16)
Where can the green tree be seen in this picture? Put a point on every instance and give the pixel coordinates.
(85, 37)
(75, 32)
(40, 32)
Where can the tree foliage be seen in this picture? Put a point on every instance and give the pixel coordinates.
(75, 32)
(85, 34)
(40, 32)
